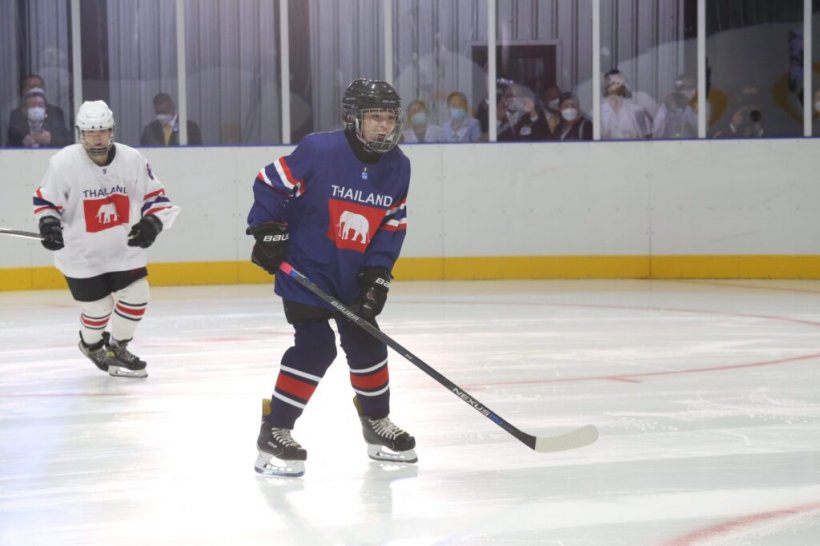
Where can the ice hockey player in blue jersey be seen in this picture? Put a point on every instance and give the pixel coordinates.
(336, 210)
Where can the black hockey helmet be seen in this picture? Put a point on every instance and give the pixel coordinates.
(362, 96)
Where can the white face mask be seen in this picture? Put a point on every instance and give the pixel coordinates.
(569, 114)
(36, 114)
(553, 104)
(817, 106)
(165, 119)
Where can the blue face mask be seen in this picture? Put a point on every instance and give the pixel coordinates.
(418, 119)
(457, 114)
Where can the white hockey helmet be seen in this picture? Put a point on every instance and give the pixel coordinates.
(95, 116)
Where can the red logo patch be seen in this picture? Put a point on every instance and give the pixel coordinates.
(105, 213)
(353, 225)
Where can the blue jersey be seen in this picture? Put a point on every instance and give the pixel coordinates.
(343, 214)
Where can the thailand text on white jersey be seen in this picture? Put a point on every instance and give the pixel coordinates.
(97, 206)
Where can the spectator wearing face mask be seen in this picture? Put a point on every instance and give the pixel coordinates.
(164, 130)
(35, 128)
(418, 125)
(460, 126)
(573, 126)
(18, 118)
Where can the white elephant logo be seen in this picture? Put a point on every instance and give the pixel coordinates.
(107, 213)
(358, 224)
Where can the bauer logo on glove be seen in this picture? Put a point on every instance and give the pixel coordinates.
(271, 246)
(275, 238)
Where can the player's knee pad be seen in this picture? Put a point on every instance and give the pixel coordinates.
(361, 349)
(133, 299)
(314, 346)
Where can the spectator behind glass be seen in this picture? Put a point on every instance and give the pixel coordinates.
(816, 114)
(620, 118)
(552, 110)
(18, 119)
(482, 111)
(520, 118)
(676, 118)
(746, 120)
(419, 129)
(461, 127)
(164, 131)
(574, 126)
(34, 128)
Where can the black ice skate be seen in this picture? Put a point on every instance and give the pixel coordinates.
(96, 351)
(386, 441)
(279, 453)
(121, 363)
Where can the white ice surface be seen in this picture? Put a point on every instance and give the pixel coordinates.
(706, 395)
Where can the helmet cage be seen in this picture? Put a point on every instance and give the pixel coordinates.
(95, 150)
(389, 141)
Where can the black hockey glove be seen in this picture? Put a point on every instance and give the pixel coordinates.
(271, 246)
(144, 232)
(52, 233)
(374, 283)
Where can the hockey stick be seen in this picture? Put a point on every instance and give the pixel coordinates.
(18, 233)
(571, 440)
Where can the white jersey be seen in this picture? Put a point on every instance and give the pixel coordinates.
(97, 206)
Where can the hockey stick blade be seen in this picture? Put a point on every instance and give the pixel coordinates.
(18, 233)
(580, 437)
(571, 440)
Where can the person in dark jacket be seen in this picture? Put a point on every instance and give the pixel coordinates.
(164, 130)
(573, 126)
(34, 125)
(18, 120)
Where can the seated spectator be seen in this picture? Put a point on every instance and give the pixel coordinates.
(420, 130)
(18, 119)
(620, 118)
(164, 131)
(574, 126)
(676, 118)
(34, 128)
(461, 127)
(482, 111)
(746, 120)
(552, 109)
(521, 118)
(816, 114)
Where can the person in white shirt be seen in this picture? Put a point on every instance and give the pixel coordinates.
(420, 129)
(99, 208)
(622, 119)
(460, 127)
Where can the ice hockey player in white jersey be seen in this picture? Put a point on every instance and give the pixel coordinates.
(99, 208)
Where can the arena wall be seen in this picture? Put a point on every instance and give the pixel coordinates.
(661, 209)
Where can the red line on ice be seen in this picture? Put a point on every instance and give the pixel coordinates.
(715, 531)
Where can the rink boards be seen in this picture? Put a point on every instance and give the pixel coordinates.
(690, 209)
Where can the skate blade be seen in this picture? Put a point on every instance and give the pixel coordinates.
(120, 371)
(382, 453)
(268, 465)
